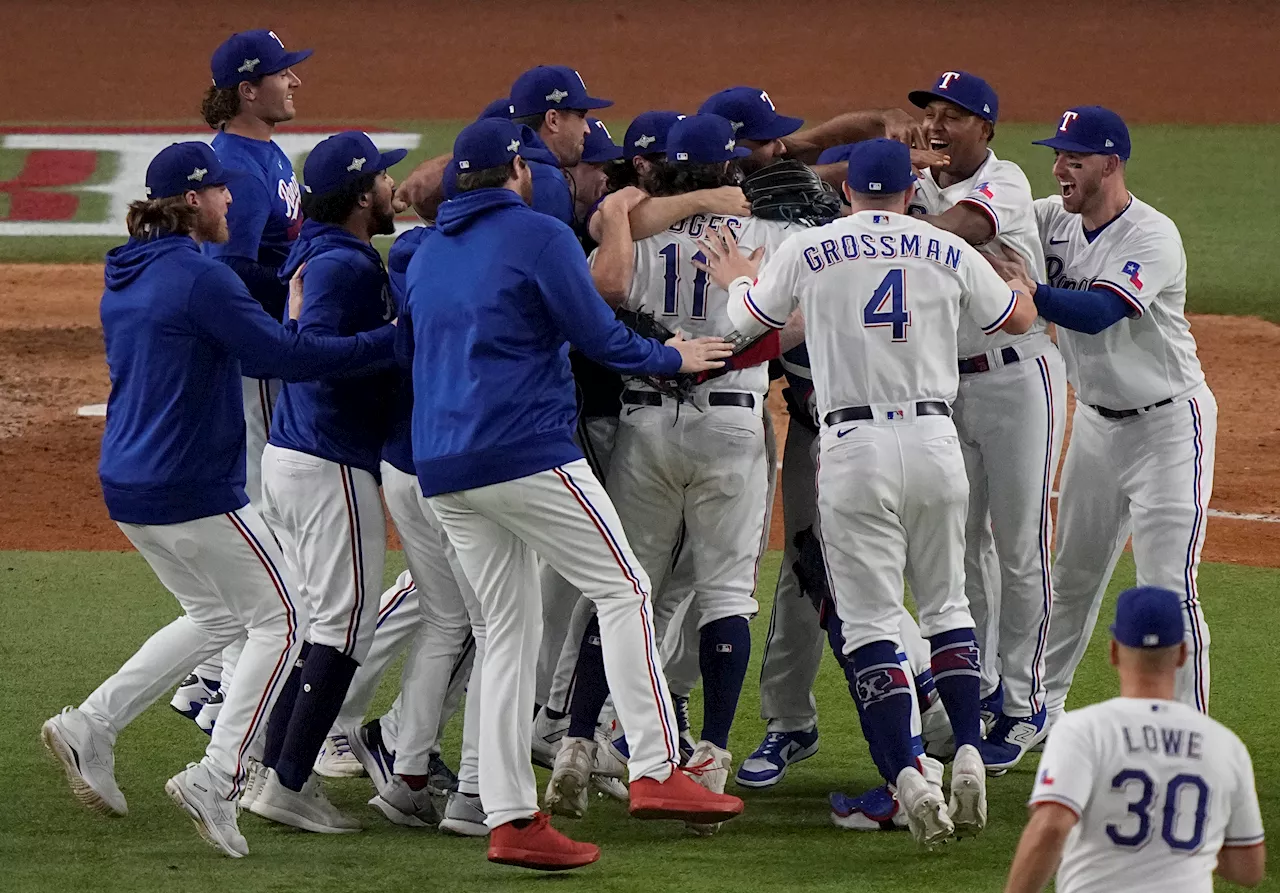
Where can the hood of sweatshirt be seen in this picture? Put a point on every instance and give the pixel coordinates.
(457, 214)
(317, 238)
(126, 262)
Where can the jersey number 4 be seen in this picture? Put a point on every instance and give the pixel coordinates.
(671, 296)
(1185, 796)
(888, 305)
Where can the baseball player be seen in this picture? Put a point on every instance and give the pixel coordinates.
(490, 293)
(178, 327)
(1010, 413)
(881, 295)
(1142, 792)
(1145, 424)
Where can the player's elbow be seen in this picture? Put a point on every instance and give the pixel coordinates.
(1023, 316)
(1246, 866)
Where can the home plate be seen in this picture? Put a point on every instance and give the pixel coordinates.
(97, 410)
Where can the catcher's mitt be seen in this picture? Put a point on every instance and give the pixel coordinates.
(647, 325)
(791, 191)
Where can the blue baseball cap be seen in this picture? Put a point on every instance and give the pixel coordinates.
(880, 167)
(647, 134)
(599, 146)
(1092, 130)
(180, 167)
(835, 154)
(344, 157)
(499, 108)
(751, 113)
(489, 142)
(551, 87)
(703, 139)
(1148, 617)
(249, 55)
(968, 91)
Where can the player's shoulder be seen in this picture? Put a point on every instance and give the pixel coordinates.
(1049, 209)
(1007, 173)
(1143, 219)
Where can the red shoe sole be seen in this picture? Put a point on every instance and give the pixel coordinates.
(704, 816)
(540, 861)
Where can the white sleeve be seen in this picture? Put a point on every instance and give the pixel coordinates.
(1143, 266)
(1046, 210)
(1066, 768)
(639, 275)
(987, 300)
(1000, 198)
(1244, 826)
(754, 308)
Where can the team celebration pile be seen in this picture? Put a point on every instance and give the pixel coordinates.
(556, 388)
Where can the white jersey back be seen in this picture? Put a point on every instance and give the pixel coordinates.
(667, 284)
(1159, 789)
(1141, 360)
(1000, 190)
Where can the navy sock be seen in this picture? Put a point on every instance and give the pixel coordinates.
(325, 679)
(956, 676)
(278, 722)
(724, 650)
(590, 687)
(884, 692)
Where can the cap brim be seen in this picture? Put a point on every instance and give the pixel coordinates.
(1062, 144)
(593, 103)
(741, 151)
(921, 99)
(288, 60)
(390, 159)
(780, 126)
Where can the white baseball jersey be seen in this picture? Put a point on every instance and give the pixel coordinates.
(1159, 789)
(683, 297)
(881, 295)
(1150, 356)
(1000, 190)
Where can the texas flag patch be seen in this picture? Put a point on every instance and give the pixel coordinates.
(1132, 269)
(985, 189)
(1045, 777)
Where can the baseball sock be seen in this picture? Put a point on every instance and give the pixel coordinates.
(724, 650)
(278, 723)
(325, 679)
(590, 687)
(956, 676)
(884, 692)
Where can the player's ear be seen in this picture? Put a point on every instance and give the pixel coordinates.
(1115, 653)
(1182, 654)
(848, 193)
(192, 198)
(908, 196)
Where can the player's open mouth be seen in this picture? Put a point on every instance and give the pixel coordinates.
(939, 145)
(1067, 188)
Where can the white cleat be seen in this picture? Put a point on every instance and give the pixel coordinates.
(571, 777)
(926, 810)
(968, 807)
(710, 767)
(208, 714)
(464, 816)
(336, 760)
(613, 788)
(83, 748)
(548, 734)
(404, 806)
(609, 761)
(255, 776)
(192, 694)
(194, 790)
(308, 809)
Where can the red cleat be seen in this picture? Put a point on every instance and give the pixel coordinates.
(539, 846)
(680, 797)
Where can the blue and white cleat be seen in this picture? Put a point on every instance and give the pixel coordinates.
(768, 764)
(992, 707)
(192, 694)
(378, 762)
(687, 744)
(207, 718)
(1011, 737)
(876, 810)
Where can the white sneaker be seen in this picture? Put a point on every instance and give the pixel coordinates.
(208, 714)
(255, 775)
(968, 807)
(83, 748)
(609, 761)
(613, 788)
(369, 750)
(336, 760)
(570, 778)
(926, 811)
(195, 792)
(935, 729)
(548, 734)
(192, 694)
(464, 816)
(404, 806)
(710, 767)
(308, 809)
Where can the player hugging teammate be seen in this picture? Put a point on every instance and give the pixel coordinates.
(584, 503)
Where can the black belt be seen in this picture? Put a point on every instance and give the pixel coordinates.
(980, 363)
(1116, 415)
(715, 398)
(864, 413)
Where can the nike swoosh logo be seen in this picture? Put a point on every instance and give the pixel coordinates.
(631, 409)
(1059, 241)
(846, 431)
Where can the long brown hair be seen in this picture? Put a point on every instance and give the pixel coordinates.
(220, 105)
(149, 218)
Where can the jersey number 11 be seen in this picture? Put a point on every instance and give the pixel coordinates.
(671, 296)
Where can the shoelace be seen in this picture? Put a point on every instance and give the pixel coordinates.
(772, 744)
(341, 746)
(701, 768)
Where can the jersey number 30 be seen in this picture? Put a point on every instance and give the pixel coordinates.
(671, 296)
(1189, 791)
(888, 305)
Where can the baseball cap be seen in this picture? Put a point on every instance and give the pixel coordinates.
(1148, 617)
(599, 147)
(647, 134)
(499, 108)
(249, 55)
(880, 167)
(489, 142)
(835, 154)
(551, 87)
(344, 157)
(751, 113)
(183, 166)
(703, 139)
(1090, 129)
(968, 91)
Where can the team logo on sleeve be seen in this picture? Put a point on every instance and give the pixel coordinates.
(1045, 778)
(1132, 269)
(985, 189)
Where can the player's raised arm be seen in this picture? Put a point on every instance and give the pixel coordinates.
(996, 304)
(613, 263)
(755, 305)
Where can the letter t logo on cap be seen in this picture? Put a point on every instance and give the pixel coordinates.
(1067, 118)
(947, 78)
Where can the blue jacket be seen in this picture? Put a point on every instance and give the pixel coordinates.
(495, 294)
(177, 325)
(398, 450)
(551, 192)
(345, 290)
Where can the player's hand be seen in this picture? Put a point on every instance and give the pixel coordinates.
(623, 201)
(421, 190)
(925, 158)
(1009, 264)
(295, 292)
(728, 201)
(724, 262)
(901, 126)
(700, 354)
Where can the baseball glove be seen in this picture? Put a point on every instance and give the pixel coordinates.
(647, 325)
(791, 191)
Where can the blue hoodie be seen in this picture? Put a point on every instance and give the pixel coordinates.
(343, 419)
(177, 326)
(494, 296)
(398, 450)
(551, 192)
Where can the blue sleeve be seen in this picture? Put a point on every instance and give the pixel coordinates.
(222, 309)
(263, 282)
(1089, 311)
(551, 194)
(326, 285)
(404, 338)
(246, 218)
(586, 321)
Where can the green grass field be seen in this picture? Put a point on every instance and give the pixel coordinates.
(71, 618)
(1205, 178)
